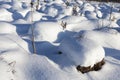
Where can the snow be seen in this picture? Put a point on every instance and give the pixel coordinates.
(7, 28)
(3, 67)
(43, 30)
(87, 38)
(11, 41)
(16, 5)
(90, 15)
(46, 69)
(28, 16)
(68, 11)
(88, 7)
(52, 12)
(5, 15)
(99, 14)
(69, 19)
(106, 37)
(23, 12)
(82, 51)
(6, 6)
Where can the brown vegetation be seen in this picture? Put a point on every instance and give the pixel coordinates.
(96, 67)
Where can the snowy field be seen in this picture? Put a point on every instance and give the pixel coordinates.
(65, 35)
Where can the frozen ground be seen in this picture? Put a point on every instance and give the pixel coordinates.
(84, 38)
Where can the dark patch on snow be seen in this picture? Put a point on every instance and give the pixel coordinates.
(96, 67)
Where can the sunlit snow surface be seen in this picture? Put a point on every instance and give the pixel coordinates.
(87, 39)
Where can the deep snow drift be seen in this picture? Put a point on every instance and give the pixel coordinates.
(85, 33)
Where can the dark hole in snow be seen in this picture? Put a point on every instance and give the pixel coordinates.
(59, 52)
(96, 67)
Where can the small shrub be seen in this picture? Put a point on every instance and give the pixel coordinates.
(64, 25)
(75, 13)
(67, 3)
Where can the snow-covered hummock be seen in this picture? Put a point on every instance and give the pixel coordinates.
(52, 12)
(30, 67)
(49, 65)
(23, 12)
(34, 15)
(12, 49)
(16, 4)
(83, 25)
(11, 42)
(6, 0)
(107, 23)
(46, 31)
(82, 51)
(6, 6)
(20, 21)
(115, 16)
(68, 10)
(99, 13)
(106, 37)
(90, 15)
(88, 7)
(7, 28)
(5, 15)
(58, 1)
(41, 68)
(28, 1)
(3, 67)
(73, 19)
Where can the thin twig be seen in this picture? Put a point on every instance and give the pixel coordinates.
(32, 29)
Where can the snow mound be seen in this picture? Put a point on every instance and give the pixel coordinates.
(32, 15)
(107, 23)
(58, 1)
(53, 12)
(6, 6)
(23, 12)
(90, 15)
(4, 68)
(7, 28)
(99, 13)
(68, 11)
(106, 37)
(85, 48)
(20, 21)
(83, 25)
(73, 19)
(88, 7)
(46, 31)
(12, 42)
(43, 69)
(82, 51)
(16, 5)
(5, 15)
